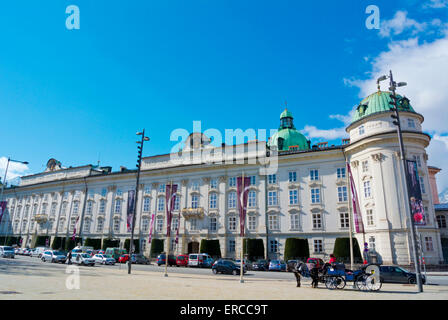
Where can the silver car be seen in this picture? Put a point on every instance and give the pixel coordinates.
(6, 252)
(103, 259)
(53, 256)
(83, 259)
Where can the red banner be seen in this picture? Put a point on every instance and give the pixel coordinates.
(170, 197)
(74, 229)
(151, 226)
(243, 193)
(2, 209)
(355, 203)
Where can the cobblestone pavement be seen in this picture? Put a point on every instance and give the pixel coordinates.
(30, 280)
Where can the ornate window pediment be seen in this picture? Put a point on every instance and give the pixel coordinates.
(294, 210)
(366, 177)
(369, 204)
(316, 209)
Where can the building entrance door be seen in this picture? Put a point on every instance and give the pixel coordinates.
(193, 247)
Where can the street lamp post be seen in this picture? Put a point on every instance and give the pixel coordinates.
(139, 164)
(393, 86)
(4, 181)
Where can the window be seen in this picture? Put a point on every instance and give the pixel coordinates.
(318, 247)
(173, 245)
(272, 198)
(422, 185)
(64, 208)
(367, 193)
(273, 222)
(253, 180)
(146, 204)
(293, 197)
(27, 211)
(35, 210)
(411, 123)
(116, 225)
(272, 179)
(344, 219)
(372, 245)
(117, 206)
(317, 221)
(100, 225)
(65, 196)
(428, 244)
(61, 225)
(119, 192)
(177, 203)
(89, 207)
(86, 227)
(214, 183)
(145, 224)
(418, 161)
(193, 224)
(161, 204)
(103, 192)
(175, 224)
(147, 189)
(315, 195)
(159, 225)
(72, 225)
(24, 226)
(195, 186)
(369, 216)
(340, 173)
(292, 176)
(102, 208)
(361, 130)
(273, 246)
(53, 209)
(213, 200)
(195, 201)
(232, 245)
(44, 208)
(342, 194)
(75, 207)
(232, 223)
(314, 174)
(295, 224)
(232, 200)
(232, 182)
(365, 166)
(252, 223)
(213, 224)
(252, 199)
(441, 221)
(162, 187)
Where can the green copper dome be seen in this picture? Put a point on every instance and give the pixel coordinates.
(288, 137)
(379, 102)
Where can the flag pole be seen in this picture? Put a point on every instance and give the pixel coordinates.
(168, 212)
(350, 220)
(241, 229)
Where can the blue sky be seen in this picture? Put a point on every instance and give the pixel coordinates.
(80, 95)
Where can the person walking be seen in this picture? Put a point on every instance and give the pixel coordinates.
(69, 257)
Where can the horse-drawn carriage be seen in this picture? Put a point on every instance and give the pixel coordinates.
(336, 276)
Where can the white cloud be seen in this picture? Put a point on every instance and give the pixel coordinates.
(328, 134)
(437, 4)
(400, 23)
(15, 169)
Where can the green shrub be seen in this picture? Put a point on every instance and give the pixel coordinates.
(211, 247)
(95, 243)
(41, 241)
(70, 244)
(253, 249)
(127, 242)
(156, 247)
(109, 243)
(58, 243)
(342, 249)
(296, 248)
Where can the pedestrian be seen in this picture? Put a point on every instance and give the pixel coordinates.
(297, 274)
(69, 257)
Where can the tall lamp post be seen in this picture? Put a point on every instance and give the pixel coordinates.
(393, 86)
(4, 182)
(139, 164)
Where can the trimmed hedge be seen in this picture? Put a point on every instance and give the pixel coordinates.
(253, 249)
(211, 247)
(296, 248)
(9, 240)
(95, 243)
(136, 246)
(109, 243)
(156, 247)
(58, 243)
(70, 244)
(342, 249)
(41, 241)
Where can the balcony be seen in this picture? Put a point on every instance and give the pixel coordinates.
(41, 218)
(193, 213)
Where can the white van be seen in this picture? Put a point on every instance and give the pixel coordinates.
(199, 260)
(6, 252)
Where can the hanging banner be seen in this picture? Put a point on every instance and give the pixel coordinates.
(415, 194)
(170, 197)
(177, 231)
(357, 218)
(151, 226)
(130, 212)
(2, 209)
(74, 229)
(242, 193)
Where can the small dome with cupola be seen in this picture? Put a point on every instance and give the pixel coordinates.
(288, 137)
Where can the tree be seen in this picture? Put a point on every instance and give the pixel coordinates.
(156, 247)
(136, 245)
(296, 248)
(211, 247)
(253, 248)
(342, 249)
(95, 243)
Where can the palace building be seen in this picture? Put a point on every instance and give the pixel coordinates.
(305, 195)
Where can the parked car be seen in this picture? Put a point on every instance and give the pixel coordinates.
(202, 260)
(37, 252)
(161, 259)
(226, 266)
(291, 265)
(182, 260)
(277, 265)
(139, 259)
(245, 263)
(27, 252)
(54, 256)
(6, 252)
(103, 259)
(83, 259)
(394, 274)
(124, 258)
(115, 252)
(260, 265)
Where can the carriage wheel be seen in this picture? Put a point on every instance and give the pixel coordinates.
(361, 283)
(373, 285)
(340, 283)
(331, 283)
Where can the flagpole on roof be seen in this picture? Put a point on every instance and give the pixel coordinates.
(241, 228)
(350, 223)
